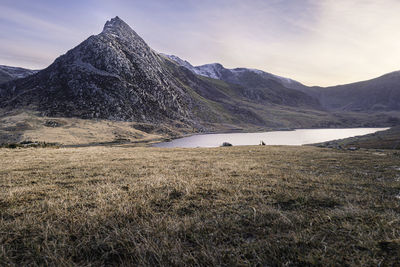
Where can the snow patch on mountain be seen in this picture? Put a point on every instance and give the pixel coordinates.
(215, 71)
(209, 70)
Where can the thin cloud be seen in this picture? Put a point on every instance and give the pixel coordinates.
(323, 42)
(25, 20)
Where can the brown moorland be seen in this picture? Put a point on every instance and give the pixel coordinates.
(252, 205)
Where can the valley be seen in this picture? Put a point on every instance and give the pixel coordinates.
(116, 77)
(81, 183)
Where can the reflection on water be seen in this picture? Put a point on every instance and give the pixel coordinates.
(294, 138)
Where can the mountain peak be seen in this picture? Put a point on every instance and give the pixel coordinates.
(116, 25)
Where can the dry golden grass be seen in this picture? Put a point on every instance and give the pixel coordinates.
(221, 206)
(25, 125)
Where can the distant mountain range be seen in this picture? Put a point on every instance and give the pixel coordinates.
(115, 75)
(379, 94)
(236, 76)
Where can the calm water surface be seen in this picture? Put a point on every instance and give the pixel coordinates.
(293, 138)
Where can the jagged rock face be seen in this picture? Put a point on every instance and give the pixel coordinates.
(113, 75)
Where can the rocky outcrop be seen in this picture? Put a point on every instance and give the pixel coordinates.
(114, 75)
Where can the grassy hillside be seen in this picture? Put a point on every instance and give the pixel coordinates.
(275, 116)
(389, 139)
(379, 94)
(222, 206)
(26, 125)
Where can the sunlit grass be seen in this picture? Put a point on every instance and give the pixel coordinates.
(222, 206)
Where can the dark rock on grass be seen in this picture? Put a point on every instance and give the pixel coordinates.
(26, 144)
(390, 245)
(226, 144)
(53, 124)
(353, 148)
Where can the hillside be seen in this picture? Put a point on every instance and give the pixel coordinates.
(389, 139)
(21, 125)
(243, 76)
(115, 76)
(381, 94)
(8, 73)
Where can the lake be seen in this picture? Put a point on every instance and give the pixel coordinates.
(292, 138)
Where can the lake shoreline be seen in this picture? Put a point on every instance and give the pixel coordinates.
(172, 139)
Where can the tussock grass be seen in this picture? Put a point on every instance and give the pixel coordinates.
(256, 205)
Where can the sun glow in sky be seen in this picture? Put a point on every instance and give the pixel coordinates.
(317, 42)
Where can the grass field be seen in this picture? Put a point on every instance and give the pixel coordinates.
(249, 205)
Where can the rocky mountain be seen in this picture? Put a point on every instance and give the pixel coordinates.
(254, 85)
(380, 94)
(8, 73)
(242, 76)
(115, 75)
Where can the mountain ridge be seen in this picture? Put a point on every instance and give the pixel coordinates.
(115, 75)
(381, 93)
(213, 70)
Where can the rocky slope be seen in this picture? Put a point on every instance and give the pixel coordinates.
(255, 85)
(242, 76)
(8, 73)
(380, 94)
(115, 75)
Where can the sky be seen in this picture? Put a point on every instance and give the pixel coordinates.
(316, 42)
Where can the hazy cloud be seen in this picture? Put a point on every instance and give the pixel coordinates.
(321, 42)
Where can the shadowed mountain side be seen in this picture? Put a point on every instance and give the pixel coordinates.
(8, 73)
(116, 76)
(379, 94)
(113, 75)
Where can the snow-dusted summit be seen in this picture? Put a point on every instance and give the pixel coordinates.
(218, 71)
